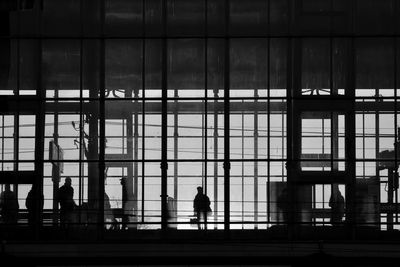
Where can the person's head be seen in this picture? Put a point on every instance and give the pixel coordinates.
(7, 187)
(200, 189)
(123, 180)
(68, 181)
(335, 189)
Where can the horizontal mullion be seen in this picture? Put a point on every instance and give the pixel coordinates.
(223, 35)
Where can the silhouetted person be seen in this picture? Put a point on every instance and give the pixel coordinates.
(171, 212)
(283, 205)
(9, 206)
(108, 214)
(201, 207)
(127, 207)
(67, 203)
(30, 203)
(336, 202)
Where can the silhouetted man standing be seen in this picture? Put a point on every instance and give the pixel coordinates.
(30, 204)
(336, 202)
(201, 207)
(67, 203)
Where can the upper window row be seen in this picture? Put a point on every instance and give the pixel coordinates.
(197, 67)
(198, 17)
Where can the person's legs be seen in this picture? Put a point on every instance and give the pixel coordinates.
(124, 221)
(198, 215)
(7, 218)
(31, 219)
(70, 218)
(62, 218)
(205, 219)
(202, 220)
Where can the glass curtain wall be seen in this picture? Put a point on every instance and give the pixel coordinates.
(283, 112)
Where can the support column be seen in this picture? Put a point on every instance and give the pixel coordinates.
(164, 121)
(39, 145)
(93, 61)
(350, 145)
(227, 163)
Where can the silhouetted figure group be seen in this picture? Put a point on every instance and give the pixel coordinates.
(9, 206)
(201, 207)
(336, 203)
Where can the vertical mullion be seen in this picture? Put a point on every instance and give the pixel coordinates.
(395, 119)
(81, 117)
(143, 102)
(363, 139)
(18, 40)
(256, 158)
(377, 174)
(268, 127)
(283, 140)
(215, 139)
(135, 154)
(2, 142)
(333, 134)
(17, 114)
(314, 204)
(16, 119)
(242, 163)
(176, 145)
(323, 196)
(333, 92)
(55, 167)
(323, 139)
(205, 112)
(227, 122)
(16, 142)
(101, 166)
(205, 123)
